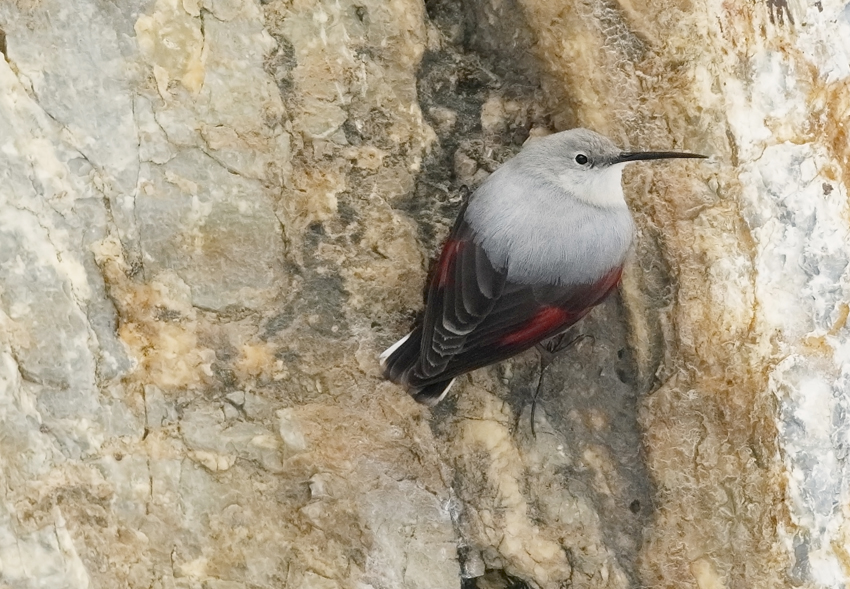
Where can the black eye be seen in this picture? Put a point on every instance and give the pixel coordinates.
(581, 159)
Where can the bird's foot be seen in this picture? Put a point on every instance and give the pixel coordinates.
(548, 349)
(560, 343)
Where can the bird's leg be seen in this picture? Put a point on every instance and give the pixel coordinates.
(559, 343)
(545, 359)
(548, 349)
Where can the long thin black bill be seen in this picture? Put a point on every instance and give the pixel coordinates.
(634, 156)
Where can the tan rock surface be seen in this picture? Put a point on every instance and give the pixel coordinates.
(214, 214)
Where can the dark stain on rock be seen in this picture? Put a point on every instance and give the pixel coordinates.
(494, 579)
(362, 13)
(779, 11)
(277, 323)
(279, 64)
(455, 82)
(590, 393)
(323, 298)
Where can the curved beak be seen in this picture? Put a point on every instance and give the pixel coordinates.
(635, 156)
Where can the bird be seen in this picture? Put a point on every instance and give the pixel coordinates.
(534, 248)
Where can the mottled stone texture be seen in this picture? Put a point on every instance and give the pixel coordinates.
(214, 214)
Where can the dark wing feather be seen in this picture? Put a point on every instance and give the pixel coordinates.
(525, 316)
(463, 288)
(475, 317)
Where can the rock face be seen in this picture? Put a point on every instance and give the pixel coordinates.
(214, 214)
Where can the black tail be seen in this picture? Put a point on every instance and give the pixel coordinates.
(433, 393)
(398, 362)
(400, 358)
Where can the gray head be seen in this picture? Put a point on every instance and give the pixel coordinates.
(586, 164)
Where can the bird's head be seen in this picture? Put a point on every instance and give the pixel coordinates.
(588, 165)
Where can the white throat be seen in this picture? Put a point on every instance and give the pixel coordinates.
(601, 187)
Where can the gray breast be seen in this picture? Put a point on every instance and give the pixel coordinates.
(543, 235)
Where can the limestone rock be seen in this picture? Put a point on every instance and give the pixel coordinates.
(214, 214)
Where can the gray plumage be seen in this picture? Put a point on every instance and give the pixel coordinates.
(537, 246)
(550, 220)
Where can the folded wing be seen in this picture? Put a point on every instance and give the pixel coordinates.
(474, 317)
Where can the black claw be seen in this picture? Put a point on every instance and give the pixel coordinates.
(558, 345)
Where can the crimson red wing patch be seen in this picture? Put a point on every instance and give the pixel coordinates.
(545, 322)
(446, 265)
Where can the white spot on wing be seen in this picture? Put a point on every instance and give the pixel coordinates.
(443, 395)
(388, 352)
